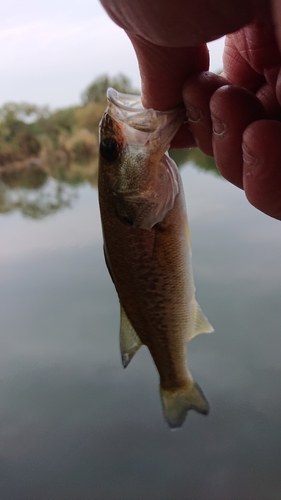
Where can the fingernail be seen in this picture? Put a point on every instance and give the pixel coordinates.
(193, 114)
(218, 127)
(249, 159)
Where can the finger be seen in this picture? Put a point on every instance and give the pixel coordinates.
(267, 95)
(278, 87)
(237, 69)
(164, 70)
(175, 23)
(183, 138)
(276, 10)
(262, 166)
(257, 45)
(197, 92)
(232, 110)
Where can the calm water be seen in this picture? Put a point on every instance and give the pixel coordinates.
(74, 424)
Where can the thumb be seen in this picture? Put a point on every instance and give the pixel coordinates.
(163, 71)
(276, 14)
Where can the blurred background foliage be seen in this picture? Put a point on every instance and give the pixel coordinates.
(37, 144)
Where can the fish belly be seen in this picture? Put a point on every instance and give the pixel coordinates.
(151, 270)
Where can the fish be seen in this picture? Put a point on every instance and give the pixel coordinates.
(147, 246)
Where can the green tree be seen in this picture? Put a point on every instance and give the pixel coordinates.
(18, 117)
(28, 144)
(96, 91)
(17, 139)
(61, 121)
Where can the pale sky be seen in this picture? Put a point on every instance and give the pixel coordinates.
(51, 50)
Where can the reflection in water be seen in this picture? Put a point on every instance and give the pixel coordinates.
(27, 188)
(38, 191)
(37, 203)
(194, 155)
(73, 424)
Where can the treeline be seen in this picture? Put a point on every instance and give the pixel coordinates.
(37, 144)
(28, 131)
(26, 189)
(34, 135)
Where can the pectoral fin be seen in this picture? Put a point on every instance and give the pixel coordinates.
(129, 339)
(201, 323)
(159, 197)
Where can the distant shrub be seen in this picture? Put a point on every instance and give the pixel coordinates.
(9, 153)
(62, 121)
(28, 144)
(46, 148)
(89, 116)
(6, 157)
(82, 145)
(96, 91)
(82, 150)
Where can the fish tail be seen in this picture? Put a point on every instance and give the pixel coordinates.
(177, 402)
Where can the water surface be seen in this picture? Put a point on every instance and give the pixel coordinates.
(74, 424)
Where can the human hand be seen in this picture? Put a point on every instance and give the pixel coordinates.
(170, 46)
(170, 36)
(236, 117)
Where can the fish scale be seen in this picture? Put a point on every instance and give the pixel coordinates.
(147, 247)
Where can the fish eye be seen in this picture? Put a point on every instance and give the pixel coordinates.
(109, 149)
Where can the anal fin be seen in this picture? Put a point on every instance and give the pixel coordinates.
(129, 339)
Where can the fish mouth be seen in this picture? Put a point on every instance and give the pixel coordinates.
(132, 102)
(127, 102)
(128, 109)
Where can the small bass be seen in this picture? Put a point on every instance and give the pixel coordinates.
(147, 246)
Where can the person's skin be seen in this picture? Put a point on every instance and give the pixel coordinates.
(235, 117)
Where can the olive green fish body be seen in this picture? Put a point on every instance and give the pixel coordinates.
(147, 250)
(149, 269)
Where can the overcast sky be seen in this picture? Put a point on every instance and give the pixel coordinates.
(50, 50)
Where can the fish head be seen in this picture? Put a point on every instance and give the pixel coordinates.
(133, 165)
(124, 160)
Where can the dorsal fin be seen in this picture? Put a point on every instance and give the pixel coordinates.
(201, 323)
(129, 339)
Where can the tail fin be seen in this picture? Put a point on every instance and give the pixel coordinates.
(177, 402)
